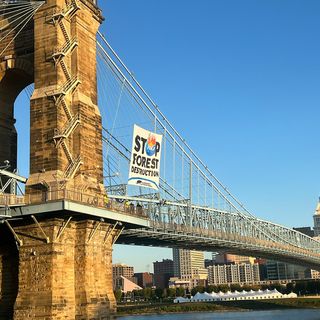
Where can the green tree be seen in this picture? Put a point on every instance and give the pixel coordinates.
(278, 287)
(246, 287)
(313, 287)
(194, 291)
(317, 286)
(138, 294)
(235, 286)
(118, 295)
(215, 288)
(147, 293)
(265, 287)
(301, 287)
(197, 289)
(223, 287)
(161, 293)
(210, 288)
(180, 292)
(255, 287)
(171, 292)
(290, 287)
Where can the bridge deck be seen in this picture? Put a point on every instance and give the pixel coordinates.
(79, 209)
(208, 240)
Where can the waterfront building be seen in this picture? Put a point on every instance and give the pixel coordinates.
(144, 279)
(162, 272)
(316, 220)
(242, 273)
(189, 266)
(217, 274)
(315, 233)
(199, 278)
(315, 274)
(175, 282)
(249, 273)
(277, 270)
(121, 270)
(262, 268)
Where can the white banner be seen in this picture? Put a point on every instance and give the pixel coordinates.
(144, 167)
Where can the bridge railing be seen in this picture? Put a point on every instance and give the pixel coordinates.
(97, 200)
(207, 219)
(11, 200)
(183, 214)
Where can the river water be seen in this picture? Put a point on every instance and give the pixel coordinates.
(301, 314)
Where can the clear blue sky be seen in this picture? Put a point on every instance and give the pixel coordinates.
(241, 81)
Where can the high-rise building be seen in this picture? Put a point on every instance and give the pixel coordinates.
(316, 234)
(121, 270)
(284, 271)
(217, 274)
(233, 273)
(315, 274)
(249, 273)
(189, 266)
(144, 279)
(262, 268)
(316, 220)
(163, 271)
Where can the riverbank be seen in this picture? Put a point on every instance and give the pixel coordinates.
(221, 306)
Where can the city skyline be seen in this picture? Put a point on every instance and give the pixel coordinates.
(189, 269)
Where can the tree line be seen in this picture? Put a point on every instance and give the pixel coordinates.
(300, 287)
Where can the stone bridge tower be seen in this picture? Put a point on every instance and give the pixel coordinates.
(57, 51)
(62, 267)
(66, 140)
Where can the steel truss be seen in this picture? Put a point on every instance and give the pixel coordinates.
(175, 216)
(174, 225)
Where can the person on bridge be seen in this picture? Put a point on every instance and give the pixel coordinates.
(139, 209)
(132, 208)
(106, 201)
(127, 206)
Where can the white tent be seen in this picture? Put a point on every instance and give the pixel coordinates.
(181, 300)
(214, 294)
(290, 295)
(243, 295)
(202, 297)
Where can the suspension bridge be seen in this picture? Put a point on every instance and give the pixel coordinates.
(77, 192)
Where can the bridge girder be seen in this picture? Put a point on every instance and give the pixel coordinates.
(170, 239)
